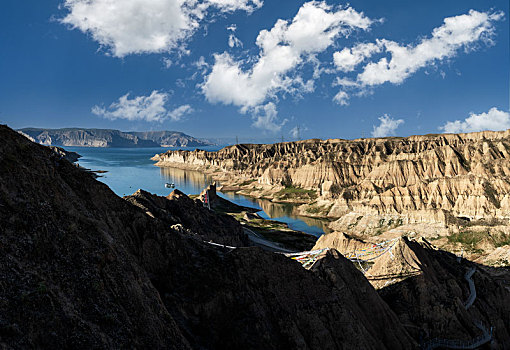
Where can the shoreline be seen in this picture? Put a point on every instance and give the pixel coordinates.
(237, 183)
(269, 234)
(480, 241)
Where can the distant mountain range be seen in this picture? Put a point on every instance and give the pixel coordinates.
(111, 138)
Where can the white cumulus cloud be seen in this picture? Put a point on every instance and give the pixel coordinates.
(348, 58)
(144, 26)
(464, 32)
(457, 32)
(178, 113)
(234, 41)
(313, 29)
(387, 127)
(493, 120)
(282, 49)
(234, 5)
(150, 108)
(342, 98)
(265, 117)
(294, 132)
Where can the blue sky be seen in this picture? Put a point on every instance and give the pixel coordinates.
(336, 70)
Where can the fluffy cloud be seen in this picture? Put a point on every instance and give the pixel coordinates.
(294, 132)
(282, 48)
(342, 98)
(234, 41)
(387, 127)
(493, 120)
(446, 40)
(147, 108)
(459, 32)
(178, 113)
(265, 117)
(347, 59)
(234, 5)
(144, 26)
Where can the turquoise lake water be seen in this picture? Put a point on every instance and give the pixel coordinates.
(129, 169)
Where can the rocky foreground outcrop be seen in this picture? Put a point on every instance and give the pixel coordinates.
(110, 138)
(83, 268)
(185, 214)
(428, 289)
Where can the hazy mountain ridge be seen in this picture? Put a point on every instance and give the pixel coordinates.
(111, 138)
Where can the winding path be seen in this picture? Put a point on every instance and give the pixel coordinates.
(464, 344)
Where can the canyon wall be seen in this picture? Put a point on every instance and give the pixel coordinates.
(418, 179)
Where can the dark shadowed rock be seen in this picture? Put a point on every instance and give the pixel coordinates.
(67, 155)
(178, 208)
(432, 301)
(82, 268)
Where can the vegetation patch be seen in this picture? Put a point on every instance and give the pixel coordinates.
(355, 223)
(466, 222)
(247, 182)
(290, 192)
(500, 239)
(378, 232)
(467, 237)
(318, 209)
(490, 193)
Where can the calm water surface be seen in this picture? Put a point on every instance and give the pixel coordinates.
(129, 169)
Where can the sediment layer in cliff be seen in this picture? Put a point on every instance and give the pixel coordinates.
(418, 179)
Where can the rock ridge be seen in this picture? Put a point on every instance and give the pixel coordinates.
(417, 179)
(83, 268)
(111, 138)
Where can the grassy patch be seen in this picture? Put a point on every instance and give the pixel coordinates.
(501, 239)
(469, 238)
(317, 209)
(247, 182)
(355, 223)
(490, 193)
(378, 232)
(466, 222)
(472, 238)
(296, 192)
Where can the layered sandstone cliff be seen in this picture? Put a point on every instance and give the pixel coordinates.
(418, 179)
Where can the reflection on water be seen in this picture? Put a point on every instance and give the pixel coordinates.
(284, 212)
(193, 181)
(129, 169)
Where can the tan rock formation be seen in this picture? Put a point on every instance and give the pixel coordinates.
(340, 241)
(418, 179)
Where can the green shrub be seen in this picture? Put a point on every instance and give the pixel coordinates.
(470, 238)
